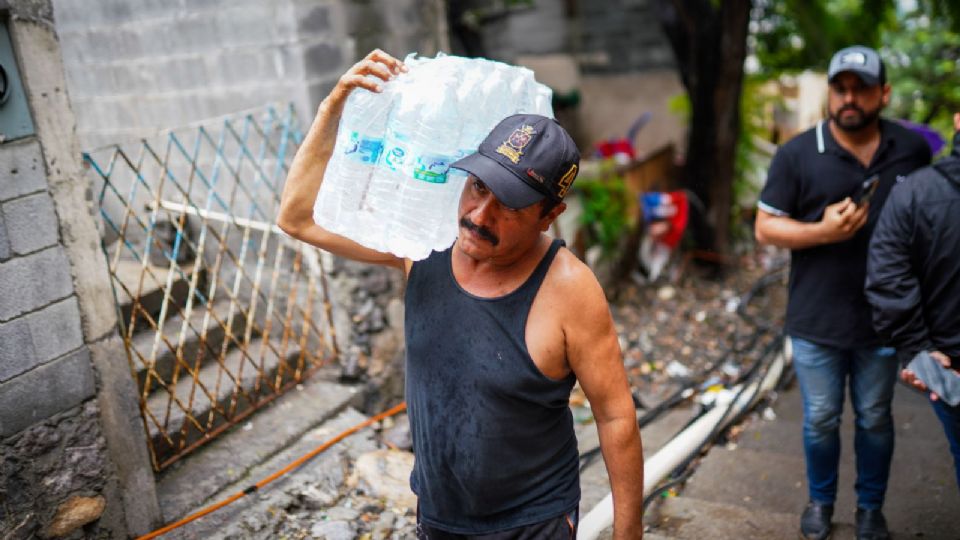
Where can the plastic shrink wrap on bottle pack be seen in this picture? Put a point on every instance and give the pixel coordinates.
(388, 185)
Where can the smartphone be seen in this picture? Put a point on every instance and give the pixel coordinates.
(940, 380)
(866, 190)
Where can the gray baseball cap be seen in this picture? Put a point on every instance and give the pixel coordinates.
(524, 159)
(863, 62)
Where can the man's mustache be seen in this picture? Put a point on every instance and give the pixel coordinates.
(851, 108)
(482, 231)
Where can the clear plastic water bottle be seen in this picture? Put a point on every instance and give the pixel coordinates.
(543, 102)
(431, 127)
(358, 149)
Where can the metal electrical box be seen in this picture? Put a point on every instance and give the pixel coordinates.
(15, 121)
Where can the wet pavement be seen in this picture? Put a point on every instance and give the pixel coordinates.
(755, 487)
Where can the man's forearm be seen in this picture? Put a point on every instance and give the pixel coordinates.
(789, 233)
(623, 456)
(308, 167)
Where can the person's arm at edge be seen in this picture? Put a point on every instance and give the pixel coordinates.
(892, 287)
(593, 351)
(310, 162)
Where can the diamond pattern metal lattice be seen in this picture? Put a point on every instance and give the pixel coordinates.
(220, 311)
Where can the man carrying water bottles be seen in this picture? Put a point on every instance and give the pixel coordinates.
(498, 329)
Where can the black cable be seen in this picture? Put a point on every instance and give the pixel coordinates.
(681, 395)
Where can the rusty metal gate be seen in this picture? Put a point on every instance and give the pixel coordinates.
(220, 311)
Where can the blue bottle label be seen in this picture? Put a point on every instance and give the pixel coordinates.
(432, 168)
(364, 149)
(395, 158)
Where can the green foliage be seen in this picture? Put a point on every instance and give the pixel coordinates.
(605, 202)
(790, 35)
(754, 122)
(921, 48)
(922, 54)
(680, 106)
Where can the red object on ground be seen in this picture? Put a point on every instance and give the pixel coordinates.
(620, 150)
(670, 208)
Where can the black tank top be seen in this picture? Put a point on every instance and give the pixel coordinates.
(493, 436)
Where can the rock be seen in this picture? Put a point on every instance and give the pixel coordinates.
(666, 293)
(376, 283)
(398, 435)
(37, 440)
(254, 523)
(386, 474)
(75, 513)
(342, 513)
(86, 461)
(384, 526)
(59, 482)
(316, 498)
(333, 530)
(364, 310)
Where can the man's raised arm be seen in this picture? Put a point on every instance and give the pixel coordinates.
(310, 163)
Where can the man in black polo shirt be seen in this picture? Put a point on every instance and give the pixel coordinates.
(824, 191)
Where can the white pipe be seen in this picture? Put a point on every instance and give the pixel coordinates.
(668, 458)
(217, 216)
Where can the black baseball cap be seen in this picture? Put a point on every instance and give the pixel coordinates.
(524, 159)
(863, 62)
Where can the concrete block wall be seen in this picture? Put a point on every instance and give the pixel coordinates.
(138, 66)
(70, 435)
(606, 36)
(621, 36)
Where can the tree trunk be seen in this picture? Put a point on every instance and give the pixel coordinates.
(709, 40)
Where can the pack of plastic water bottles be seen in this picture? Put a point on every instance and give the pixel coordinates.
(388, 185)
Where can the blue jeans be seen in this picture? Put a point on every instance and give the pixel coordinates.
(823, 372)
(950, 418)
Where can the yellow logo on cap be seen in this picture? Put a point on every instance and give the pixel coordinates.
(512, 148)
(566, 180)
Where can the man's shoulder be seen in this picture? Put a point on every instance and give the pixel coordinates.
(572, 294)
(912, 141)
(571, 282)
(805, 141)
(569, 271)
(935, 182)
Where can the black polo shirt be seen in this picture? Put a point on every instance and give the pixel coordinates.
(808, 173)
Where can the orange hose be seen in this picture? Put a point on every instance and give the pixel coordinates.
(298, 462)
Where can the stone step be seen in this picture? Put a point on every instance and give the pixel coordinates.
(150, 294)
(276, 435)
(200, 332)
(217, 396)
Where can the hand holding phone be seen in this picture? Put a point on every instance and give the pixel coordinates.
(942, 381)
(866, 190)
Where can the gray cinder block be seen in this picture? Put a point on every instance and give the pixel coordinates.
(31, 223)
(21, 167)
(16, 349)
(45, 391)
(33, 281)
